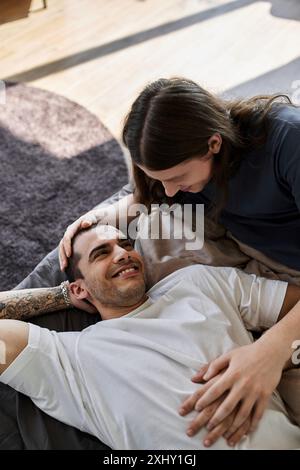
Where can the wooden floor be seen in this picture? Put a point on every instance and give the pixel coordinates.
(101, 53)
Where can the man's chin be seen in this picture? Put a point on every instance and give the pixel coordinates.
(197, 188)
(131, 284)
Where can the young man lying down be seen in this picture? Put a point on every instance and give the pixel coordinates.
(124, 379)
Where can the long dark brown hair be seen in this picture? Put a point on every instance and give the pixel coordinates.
(172, 120)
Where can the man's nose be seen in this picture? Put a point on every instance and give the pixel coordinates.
(170, 189)
(120, 254)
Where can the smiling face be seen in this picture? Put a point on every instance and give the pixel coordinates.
(191, 175)
(112, 271)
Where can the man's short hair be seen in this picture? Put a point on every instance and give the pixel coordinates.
(72, 271)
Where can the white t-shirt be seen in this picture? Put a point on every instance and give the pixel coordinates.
(123, 380)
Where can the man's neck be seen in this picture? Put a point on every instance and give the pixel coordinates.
(108, 312)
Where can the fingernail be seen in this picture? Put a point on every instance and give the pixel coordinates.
(181, 411)
(205, 376)
(226, 435)
(231, 443)
(210, 426)
(207, 443)
(190, 432)
(198, 408)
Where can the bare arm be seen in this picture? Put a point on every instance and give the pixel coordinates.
(13, 339)
(292, 297)
(27, 303)
(23, 304)
(287, 328)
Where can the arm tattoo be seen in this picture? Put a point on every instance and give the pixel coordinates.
(23, 304)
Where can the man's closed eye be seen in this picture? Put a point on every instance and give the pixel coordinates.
(100, 254)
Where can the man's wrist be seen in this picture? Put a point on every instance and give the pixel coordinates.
(65, 293)
(277, 347)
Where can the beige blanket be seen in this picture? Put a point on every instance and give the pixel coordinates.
(220, 248)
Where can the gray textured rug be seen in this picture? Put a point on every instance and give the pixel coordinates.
(57, 161)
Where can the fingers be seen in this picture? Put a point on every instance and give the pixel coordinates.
(259, 410)
(223, 429)
(210, 392)
(216, 366)
(218, 431)
(198, 377)
(190, 403)
(89, 219)
(65, 246)
(227, 406)
(63, 260)
(243, 415)
(69, 234)
(201, 419)
(234, 397)
(242, 431)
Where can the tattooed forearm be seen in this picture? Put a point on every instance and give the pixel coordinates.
(23, 304)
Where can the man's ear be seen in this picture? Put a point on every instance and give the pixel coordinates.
(214, 143)
(78, 289)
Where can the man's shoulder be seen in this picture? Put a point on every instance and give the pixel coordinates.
(191, 275)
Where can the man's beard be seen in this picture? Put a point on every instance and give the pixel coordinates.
(115, 296)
